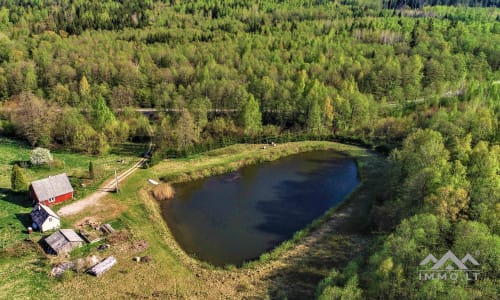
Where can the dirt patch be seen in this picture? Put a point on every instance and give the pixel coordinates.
(92, 200)
(139, 246)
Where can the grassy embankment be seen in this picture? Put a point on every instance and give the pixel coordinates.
(172, 273)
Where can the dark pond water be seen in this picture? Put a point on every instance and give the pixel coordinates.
(233, 218)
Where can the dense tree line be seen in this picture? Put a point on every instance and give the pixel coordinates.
(320, 68)
(422, 3)
(74, 17)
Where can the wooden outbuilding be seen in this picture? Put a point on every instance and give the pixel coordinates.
(103, 266)
(44, 218)
(51, 190)
(63, 241)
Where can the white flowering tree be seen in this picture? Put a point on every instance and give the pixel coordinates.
(41, 156)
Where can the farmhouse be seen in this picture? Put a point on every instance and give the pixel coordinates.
(63, 241)
(44, 218)
(51, 190)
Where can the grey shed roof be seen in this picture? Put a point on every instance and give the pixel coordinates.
(52, 186)
(71, 235)
(61, 238)
(41, 212)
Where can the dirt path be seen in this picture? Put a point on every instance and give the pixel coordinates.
(92, 199)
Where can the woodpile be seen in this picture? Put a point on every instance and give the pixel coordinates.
(106, 229)
(90, 236)
(59, 270)
(103, 266)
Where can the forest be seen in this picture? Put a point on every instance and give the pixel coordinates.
(416, 80)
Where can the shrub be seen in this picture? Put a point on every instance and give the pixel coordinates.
(18, 179)
(163, 191)
(41, 156)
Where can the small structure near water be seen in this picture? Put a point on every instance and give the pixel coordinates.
(153, 182)
(63, 241)
(103, 266)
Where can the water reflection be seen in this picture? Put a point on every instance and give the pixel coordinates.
(235, 217)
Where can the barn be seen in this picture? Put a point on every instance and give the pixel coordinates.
(44, 218)
(63, 241)
(51, 190)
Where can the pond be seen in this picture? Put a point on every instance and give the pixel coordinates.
(233, 218)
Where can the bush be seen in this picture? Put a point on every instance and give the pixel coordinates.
(163, 191)
(18, 179)
(41, 156)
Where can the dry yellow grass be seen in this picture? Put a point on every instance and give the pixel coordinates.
(163, 192)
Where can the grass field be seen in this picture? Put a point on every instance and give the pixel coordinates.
(76, 165)
(15, 207)
(173, 274)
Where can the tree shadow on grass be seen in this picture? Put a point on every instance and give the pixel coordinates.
(25, 219)
(17, 198)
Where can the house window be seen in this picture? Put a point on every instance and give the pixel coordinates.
(52, 200)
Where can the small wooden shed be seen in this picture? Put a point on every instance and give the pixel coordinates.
(63, 241)
(103, 266)
(44, 218)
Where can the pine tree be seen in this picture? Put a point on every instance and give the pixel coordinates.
(18, 180)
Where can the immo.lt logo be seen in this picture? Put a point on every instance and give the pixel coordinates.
(449, 267)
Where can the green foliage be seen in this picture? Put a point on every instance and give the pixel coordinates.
(18, 180)
(251, 118)
(101, 114)
(314, 124)
(339, 285)
(41, 156)
(423, 161)
(186, 131)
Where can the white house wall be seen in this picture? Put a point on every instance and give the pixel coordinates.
(50, 224)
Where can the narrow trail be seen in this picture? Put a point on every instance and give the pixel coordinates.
(92, 199)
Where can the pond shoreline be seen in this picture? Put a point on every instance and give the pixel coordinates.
(273, 260)
(225, 221)
(291, 270)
